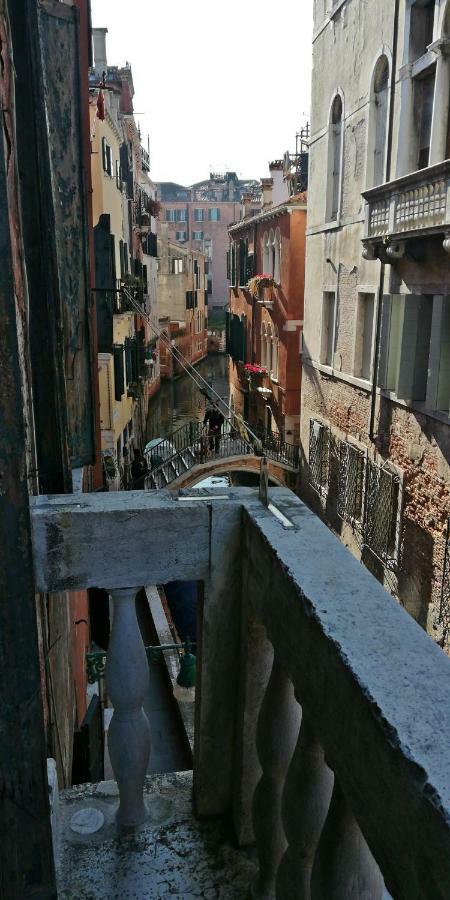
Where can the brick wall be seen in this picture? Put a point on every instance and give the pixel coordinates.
(418, 447)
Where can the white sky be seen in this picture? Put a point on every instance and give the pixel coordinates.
(218, 85)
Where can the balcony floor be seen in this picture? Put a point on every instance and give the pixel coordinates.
(171, 855)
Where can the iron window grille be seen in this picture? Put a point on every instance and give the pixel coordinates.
(351, 483)
(444, 607)
(319, 456)
(381, 512)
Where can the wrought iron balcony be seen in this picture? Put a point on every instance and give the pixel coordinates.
(322, 719)
(413, 206)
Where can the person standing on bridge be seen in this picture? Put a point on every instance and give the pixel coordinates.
(214, 420)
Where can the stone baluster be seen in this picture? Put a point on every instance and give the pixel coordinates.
(277, 733)
(344, 868)
(126, 684)
(306, 801)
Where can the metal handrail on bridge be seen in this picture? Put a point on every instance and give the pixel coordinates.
(194, 445)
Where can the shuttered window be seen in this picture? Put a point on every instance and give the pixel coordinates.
(405, 345)
(319, 456)
(119, 374)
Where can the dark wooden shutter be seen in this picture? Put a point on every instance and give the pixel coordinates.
(104, 158)
(119, 375)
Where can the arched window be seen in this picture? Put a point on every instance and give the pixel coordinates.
(378, 123)
(277, 261)
(275, 347)
(264, 361)
(271, 269)
(269, 349)
(266, 260)
(335, 159)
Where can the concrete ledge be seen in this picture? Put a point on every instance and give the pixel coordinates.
(375, 685)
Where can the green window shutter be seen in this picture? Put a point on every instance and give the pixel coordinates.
(104, 159)
(128, 360)
(415, 347)
(119, 380)
(384, 342)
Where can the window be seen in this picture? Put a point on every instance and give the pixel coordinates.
(328, 328)
(421, 28)
(442, 332)
(277, 257)
(350, 483)
(210, 285)
(107, 158)
(180, 235)
(365, 310)
(118, 176)
(319, 456)
(423, 110)
(405, 345)
(271, 269)
(382, 511)
(236, 337)
(197, 274)
(180, 215)
(243, 251)
(119, 372)
(170, 215)
(214, 214)
(177, 266)
(233, 264)
(189, 299)
(335, 159)
(376, 162)
(265, 254)
(199, 215)
(197, 235)
(275, 346)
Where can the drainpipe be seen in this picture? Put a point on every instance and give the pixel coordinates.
(376, 359)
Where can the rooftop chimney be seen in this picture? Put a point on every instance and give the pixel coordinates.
(280, 191)
(267, 189)
(246, 205)
(100, 60)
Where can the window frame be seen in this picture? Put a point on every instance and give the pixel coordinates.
(335, 156)
(318, 442)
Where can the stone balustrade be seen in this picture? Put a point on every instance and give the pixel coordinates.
(322, 721)
(418, 203)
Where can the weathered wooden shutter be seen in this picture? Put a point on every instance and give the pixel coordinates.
(384, 342)
(104, 157)
(119, 375)
(415, 347)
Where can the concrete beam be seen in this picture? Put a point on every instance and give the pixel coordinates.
(119, 539)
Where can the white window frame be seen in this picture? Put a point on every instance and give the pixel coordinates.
(325, 324)
(384, 52)
(331, 154)
(362, 293)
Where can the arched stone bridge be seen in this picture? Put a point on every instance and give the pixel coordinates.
(279, 473)
(189, 456)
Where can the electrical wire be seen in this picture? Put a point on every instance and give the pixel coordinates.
(195, 376)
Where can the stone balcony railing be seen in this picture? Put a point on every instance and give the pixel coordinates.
(415, 205)
(322, 714)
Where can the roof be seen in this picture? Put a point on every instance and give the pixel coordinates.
(297, 201)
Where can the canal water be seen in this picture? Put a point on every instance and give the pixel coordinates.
(179, 401)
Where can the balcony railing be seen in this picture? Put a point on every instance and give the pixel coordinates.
(414, 205)
(323, 722)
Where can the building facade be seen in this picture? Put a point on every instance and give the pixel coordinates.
(265, 317)
(199, 217)
(124, 216)
(182, 303)
(376, 364)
